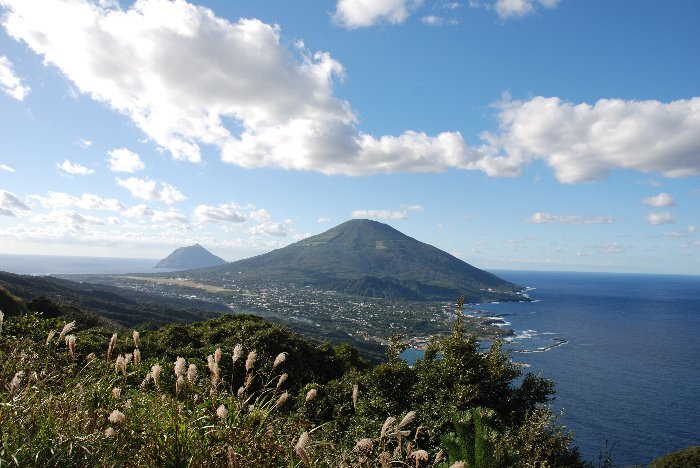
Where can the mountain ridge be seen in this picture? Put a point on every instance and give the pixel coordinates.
(193, 256)
(365, 257)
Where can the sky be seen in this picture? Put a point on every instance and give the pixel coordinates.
(513, 134)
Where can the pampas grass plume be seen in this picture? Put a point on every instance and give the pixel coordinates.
(135, 334)
(155, 373)
(2, 317)
(70, 344)
(137, 357)
(221, 412)
(282, 399)
(50, 336)
(279, 359)
(67, 328)
(217, 355)
(282, 379)
(191, 373)
(116, 392)
(237, 351)
(109, 432)
(355, 391)
(300, 448)
(116, 417)
(310, 395)
(180, 366)
(110, 348)
(250, 361)
(407, 419)
(363, 445)
(459, 464)
(389, 421)
(16, 381)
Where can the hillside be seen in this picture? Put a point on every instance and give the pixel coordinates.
(368, 258)
(194, 256)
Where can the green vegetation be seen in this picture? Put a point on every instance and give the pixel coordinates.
(239, 391)
(687, 458)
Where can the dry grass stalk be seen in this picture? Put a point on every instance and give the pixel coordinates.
(67, 328)
(248, 380)
(110, 348)
(459, 464)
(407, 419)
(363, 445)
(419, 456)
(155, 374)
(279, 359)
(221, 412)
(385, 427)
(282, 379)
(137, 357)
(120, 365)
(70, 344)
(217, 355)
(16, 381)
(355, 391)
(180, 366)
(2, 317)
(282, 399)
(116, 417)
(50, 336)
(237, 351)
(310, 395)
(191, 373)
(250, 361)
(116, 393)
(300, 448)
(384, 458)
(440, 455)
(213, 370)
(179, 383)
(135, 335)
(127, 358)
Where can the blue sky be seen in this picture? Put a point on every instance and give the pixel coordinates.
(514, 134)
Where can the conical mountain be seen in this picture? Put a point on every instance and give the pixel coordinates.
(368, 258)
(194, 256)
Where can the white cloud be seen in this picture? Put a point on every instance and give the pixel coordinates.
(380, 214)
(519, 8)
(546, 218)
(87, 201)
(264, 103)
(690, 232)
(123, 160)
(10, 204)
(269, 228)
(5, 167)
(138, 211)
(661, 217)
(216, 214)
(170, 217)
(353, 14)
(69, 218)
(324, 220)
(613, 248)
(147, 189)
(74, 168)
(432, 20)
(83, 143)
(662, 199)
(584, 142)
(9, 82)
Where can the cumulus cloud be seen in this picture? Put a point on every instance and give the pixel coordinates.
(324, 220)
(353, 14)
(9, 82)
(70, 218)
(74, 168)
(690, 232)
(584, 142)
(10, 204)
(269, 228)
(380, 214)
(661, 217)
(83, 143)
(662, 199)
(6, 168)
(87, 201)
(265, 103)
(138, 211)
(518, 8)
(123, 160)
(169, 218)
(147, 189)
(229, 213)
(546, 218)
(432, 20)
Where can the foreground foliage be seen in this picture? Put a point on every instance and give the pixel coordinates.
(237, 391)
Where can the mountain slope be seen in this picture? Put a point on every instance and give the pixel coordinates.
(363, 255)
(194, 256)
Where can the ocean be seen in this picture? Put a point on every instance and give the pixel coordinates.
(623, 350)
(625, 356)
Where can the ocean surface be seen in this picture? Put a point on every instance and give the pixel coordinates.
(626, 360)
(56, 265)
(623, 350)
